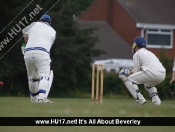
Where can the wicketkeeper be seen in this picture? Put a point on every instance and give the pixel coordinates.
(39, 38)
(148, 70)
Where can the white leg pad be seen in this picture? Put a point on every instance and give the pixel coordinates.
(43, 85)
(33, 86)
(50, 83)
(154, 95)
(133, 89)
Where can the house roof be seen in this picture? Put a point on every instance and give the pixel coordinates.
(151, 11)
(110, 41)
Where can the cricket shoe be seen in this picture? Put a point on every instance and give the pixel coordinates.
(33, 98)
(140, 99)
(156, 100)
(43, 101)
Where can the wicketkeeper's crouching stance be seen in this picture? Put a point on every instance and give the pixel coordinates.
(39, 37)
(148, 70)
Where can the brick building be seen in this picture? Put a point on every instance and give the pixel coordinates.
(126, 19)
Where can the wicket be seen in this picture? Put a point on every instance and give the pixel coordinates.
(99, 69)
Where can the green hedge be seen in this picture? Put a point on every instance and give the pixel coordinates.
(114, 86)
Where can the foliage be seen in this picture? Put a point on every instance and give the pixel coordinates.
(71, 57)
(71, 53)
(79, 6)
(166, 62)
(166, 90)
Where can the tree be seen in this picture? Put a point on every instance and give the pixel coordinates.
(71, 53)
(166, 62)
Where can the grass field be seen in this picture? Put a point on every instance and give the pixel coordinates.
(22, 107)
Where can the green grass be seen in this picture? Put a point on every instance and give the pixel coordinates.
(22, 107)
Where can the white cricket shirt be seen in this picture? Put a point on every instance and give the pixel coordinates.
(146, 60)
(41, 37)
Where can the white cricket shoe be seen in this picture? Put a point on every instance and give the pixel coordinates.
(33, 99)
(41, 101)
(156, 100)
(140, 99)
(44, 101)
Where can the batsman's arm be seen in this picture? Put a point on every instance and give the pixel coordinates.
(25, 36)
(25, 39)
(26, 31)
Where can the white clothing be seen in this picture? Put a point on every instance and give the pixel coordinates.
(37, 65)
(148, 70)
(147, 78)
(146, 60)
(40, 35)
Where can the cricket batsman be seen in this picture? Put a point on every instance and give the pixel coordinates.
(148, 70)
(39, 38)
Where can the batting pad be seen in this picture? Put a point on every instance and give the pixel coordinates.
(50, 83)
(152, 91)
(134, 90)
(33, 85)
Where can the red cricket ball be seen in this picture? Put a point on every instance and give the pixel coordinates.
(1, 83)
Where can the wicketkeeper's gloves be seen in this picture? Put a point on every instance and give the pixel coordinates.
(123, 74)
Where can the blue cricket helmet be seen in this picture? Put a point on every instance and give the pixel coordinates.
(140, 42)
(46, 17)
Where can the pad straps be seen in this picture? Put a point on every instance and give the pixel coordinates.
(40, 91)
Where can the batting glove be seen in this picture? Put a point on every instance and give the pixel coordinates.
(23, 48)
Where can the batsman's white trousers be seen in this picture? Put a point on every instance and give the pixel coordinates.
(37, 65)
(147, 78)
